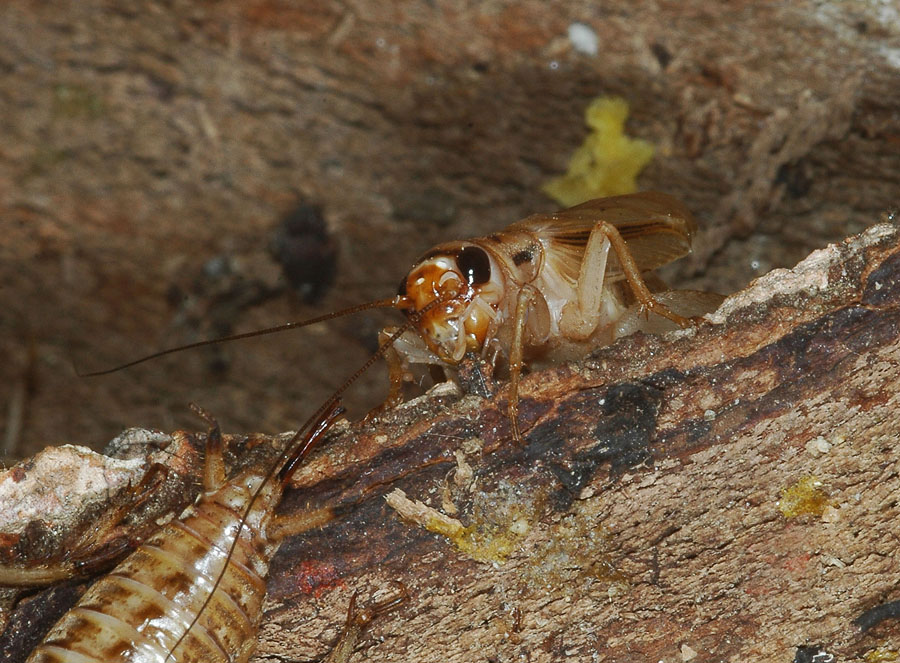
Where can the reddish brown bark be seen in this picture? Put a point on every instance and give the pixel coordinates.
(726, 490)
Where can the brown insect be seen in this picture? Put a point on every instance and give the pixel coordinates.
(357, 620)
(193, 591)
(546, 289)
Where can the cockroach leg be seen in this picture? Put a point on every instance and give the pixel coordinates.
(295, 524)
(633, 275)
(138, 494)
(97, 559)
(86, 556)
(35, 576)
(397, 371)
(363, 617)
(359, 619)
(582, 316)
(213, 458)
(526, 296)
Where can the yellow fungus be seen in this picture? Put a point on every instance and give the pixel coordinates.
(880, 655)
(607, 163)
(806, 496)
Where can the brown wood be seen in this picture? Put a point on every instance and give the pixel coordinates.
(649, 513)
(149, 152)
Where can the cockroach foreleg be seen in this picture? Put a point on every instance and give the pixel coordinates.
(294, 524)
(526, 296)
(633, 275)
(358, 619)
(397, 371)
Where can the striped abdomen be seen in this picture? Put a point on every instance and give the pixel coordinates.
(146, 610)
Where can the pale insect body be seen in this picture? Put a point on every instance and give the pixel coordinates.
(561, 264)
(549, 288)
(192, 591)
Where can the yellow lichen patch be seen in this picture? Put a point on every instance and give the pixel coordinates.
(881, 655)
(806, 496)
(607, 163)
(500, 520)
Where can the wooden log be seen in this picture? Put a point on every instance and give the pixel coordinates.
(150, 157)
(725, 492)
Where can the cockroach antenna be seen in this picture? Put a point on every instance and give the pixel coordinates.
(394, 302)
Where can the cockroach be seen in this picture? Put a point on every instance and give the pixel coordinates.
(546, 289)
(193, 590)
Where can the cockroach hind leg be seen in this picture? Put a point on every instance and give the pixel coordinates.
(81, 562)
(87, 557)
(692, 304)
(635, 279)
(359, 618)
(98, 546)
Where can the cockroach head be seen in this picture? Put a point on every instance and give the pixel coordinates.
(467, 282)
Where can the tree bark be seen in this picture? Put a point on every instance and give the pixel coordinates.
(725, 492)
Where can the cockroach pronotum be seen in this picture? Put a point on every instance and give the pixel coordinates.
(549, 288)
(193, 590)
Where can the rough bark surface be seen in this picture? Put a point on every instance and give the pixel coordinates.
(151, 148)
(726, 492)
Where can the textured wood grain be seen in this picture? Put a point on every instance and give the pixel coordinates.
(150, 152)
(649, 512)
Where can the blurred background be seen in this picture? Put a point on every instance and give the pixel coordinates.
(173, 171)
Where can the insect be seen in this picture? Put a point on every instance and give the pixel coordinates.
(193, 591)
(546, 289)
(357, 621)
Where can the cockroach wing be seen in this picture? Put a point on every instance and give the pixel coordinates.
(656, 227)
